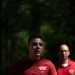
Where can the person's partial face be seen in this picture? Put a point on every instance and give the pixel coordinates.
(63, 52)
(36, 47)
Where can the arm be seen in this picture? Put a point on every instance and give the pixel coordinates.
(52, 69)
(13, 70)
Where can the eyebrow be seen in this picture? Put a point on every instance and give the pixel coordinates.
(63, 50)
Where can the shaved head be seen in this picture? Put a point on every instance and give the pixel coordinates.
(64, 47)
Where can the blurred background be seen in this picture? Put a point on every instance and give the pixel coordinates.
(54, 19)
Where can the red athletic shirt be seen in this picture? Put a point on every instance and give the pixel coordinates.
(30, 67)
(69, 69)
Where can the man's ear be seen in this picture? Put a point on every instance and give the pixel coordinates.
(69, 52)
(27, 47)
(43, 49)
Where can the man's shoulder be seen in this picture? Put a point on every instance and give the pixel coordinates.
(71, 61)
(47, 61)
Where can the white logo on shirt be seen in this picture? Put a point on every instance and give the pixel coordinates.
(42, 67)
(71, 71)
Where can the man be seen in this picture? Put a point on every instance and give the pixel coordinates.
(65, 66)
(34, 64)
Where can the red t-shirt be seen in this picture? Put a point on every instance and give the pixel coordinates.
(67, 69)
(31, 67)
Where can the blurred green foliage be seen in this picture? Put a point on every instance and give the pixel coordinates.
(54, 19)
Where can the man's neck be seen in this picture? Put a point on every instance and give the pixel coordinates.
(65, 61)
(34, 58)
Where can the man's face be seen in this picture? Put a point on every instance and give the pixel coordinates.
(63, 52)
(36, 47)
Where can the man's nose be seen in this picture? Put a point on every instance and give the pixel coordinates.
(38, 45)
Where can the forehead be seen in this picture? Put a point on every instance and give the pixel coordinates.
(37, 40)
(64, 47)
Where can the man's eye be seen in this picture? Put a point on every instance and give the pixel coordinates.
(41, 44)
(34, 44)
(66, 51)
(63, 50)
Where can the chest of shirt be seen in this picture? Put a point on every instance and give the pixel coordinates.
(34, 70)
(37, 70)
(69, 70)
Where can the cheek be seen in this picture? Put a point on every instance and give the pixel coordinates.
(60, 54)
(33, 47)
(30, 48)
(42, 48)
(68, 54)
